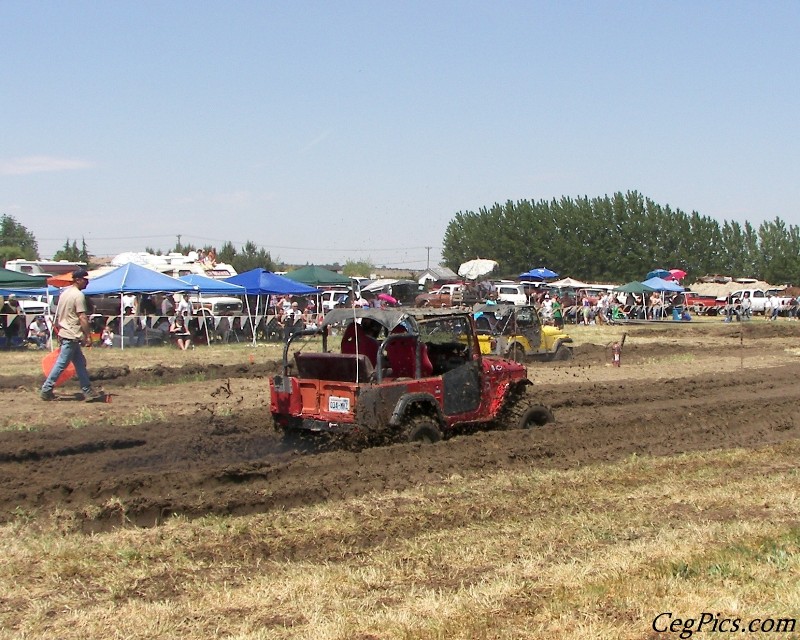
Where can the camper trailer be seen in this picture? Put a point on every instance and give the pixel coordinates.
(44, 267)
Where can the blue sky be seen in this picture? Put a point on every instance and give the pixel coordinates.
(334, 131)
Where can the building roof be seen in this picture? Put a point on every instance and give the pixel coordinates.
(440, 272)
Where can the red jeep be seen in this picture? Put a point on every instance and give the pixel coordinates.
(399, 375)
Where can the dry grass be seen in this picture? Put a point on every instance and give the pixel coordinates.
(595, 552)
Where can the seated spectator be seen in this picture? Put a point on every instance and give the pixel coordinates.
(179, 332)
(38, 333)
(107, 337)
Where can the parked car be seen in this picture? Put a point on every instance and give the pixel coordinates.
(332, 297)
(510, 292)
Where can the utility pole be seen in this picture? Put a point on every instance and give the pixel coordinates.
(179, 243)
(428, 263)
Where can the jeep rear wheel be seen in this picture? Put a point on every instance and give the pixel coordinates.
(423, 429)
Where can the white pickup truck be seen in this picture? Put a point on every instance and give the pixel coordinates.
(758, 299)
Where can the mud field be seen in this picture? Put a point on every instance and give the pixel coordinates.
(196, 440)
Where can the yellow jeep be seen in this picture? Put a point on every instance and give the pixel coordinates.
(516, 332)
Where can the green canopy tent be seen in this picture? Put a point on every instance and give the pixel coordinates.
(635, 288)
(15, 280)
(315, 276)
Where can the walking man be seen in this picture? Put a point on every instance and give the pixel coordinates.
(73, 330)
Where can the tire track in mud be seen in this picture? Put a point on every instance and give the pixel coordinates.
(234, 465)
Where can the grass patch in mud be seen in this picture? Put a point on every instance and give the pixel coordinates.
(142, 415)
(16, 426)
(594, 552)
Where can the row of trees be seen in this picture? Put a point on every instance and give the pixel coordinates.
(620, 238)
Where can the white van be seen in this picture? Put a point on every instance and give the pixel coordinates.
(216, 305)
(330, 298)
(510, 293)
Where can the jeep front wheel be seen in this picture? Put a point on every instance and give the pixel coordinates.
(516, 352)
(423, 429)
(562, 353)
(524, 416)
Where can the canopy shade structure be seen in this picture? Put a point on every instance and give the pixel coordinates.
(262, 282)
(474, 269)
(15, 280)
(634, 287)
(37, 291)
(211, 286)
(133, 278)
(540, 273)
(568, 283)
(659, 284)
(317, 276)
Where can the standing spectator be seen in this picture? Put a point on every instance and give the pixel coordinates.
(184, 305)
(547, 309)
(73, 330)
(168, 305)
(746, 306)
(129, 300)
(773, 307)
(558, 312)
(586, 309)
(655, 305)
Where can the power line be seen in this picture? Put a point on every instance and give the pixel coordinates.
(243, 242)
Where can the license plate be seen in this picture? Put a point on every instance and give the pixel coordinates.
(339, 405)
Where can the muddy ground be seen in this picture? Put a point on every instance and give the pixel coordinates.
(195, 440)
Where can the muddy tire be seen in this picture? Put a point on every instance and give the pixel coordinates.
(523, 415)
(423, 429)
(516, 353)
(562, 353)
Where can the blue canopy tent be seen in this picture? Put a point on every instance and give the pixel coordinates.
(212, 286)
(48, 290)
(659, 284)
(134, 278)
(260, 282)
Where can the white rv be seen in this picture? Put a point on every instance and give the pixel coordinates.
(44, 267)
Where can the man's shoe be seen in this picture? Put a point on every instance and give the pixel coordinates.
(93, 396)
(47, 395)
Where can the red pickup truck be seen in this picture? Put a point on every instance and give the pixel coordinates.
(702, 305)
